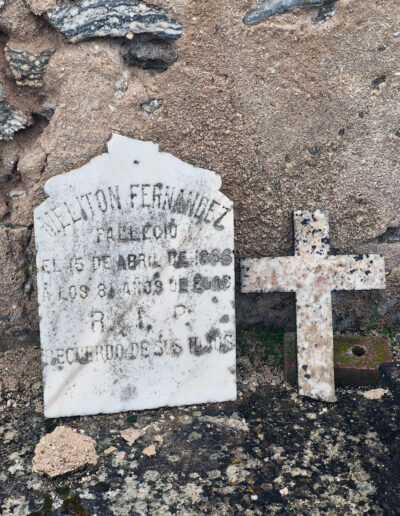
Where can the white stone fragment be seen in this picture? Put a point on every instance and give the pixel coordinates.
(135, 284)
(313, 275)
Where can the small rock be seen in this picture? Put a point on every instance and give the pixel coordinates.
(149, 108)
(231, 423)
(3, 94)
(132, 434)
(17, 193)
(109, 450)
(149, 451)
(12, 119)
(150, 53)
(284, 491)
(374, 394)
(27, 67)
(62, 451)
(120, 86)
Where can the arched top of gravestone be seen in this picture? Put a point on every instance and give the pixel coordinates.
(127, 158)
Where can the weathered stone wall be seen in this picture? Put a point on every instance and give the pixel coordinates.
(298, 111)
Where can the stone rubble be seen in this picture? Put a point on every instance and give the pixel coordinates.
(87, 19)
(27, 67)
(63, 451)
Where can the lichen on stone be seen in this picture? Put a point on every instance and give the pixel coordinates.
(27, 67)
(88, 19)
(267, 8)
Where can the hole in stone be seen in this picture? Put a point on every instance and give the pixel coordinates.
(358, 351)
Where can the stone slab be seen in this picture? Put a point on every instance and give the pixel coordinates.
(136, 284)
(356, 359)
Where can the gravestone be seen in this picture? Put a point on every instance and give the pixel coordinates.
(313, 275)
(135, 272)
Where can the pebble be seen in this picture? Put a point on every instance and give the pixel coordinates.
(149, 451)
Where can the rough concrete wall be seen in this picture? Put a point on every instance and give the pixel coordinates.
(299, 111)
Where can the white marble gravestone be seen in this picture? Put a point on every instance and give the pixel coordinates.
(136, 284)
(313, 275)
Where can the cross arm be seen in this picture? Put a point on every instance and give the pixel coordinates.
(269, 274)
(361, 272)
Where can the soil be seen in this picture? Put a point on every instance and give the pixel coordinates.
(270, 452)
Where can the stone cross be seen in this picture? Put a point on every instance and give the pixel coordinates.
(312, 274)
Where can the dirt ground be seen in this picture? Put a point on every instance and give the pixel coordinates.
(270, 452)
